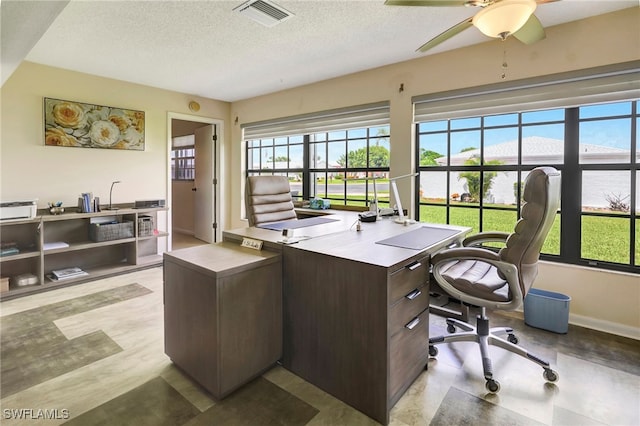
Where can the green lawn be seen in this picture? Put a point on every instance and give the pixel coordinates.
(603, 238)
(606, 238)
(493, 220)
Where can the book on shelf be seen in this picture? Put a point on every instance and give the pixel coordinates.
(86, 202)
(8, 248)
(9, 251)
(54, 245)
(61, 274)
(8, 244)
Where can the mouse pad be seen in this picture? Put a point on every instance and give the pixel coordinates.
(420, 238)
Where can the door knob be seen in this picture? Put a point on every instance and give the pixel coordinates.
(194, 189)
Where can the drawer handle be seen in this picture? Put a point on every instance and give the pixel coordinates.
(415, 293)
(413, 323)
(414, 266)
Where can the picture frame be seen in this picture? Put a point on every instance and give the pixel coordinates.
(82, 125)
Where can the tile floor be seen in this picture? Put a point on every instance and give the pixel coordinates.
(93, 354)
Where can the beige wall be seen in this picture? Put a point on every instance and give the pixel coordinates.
(593, 42)
(31, 170)
(602, 300)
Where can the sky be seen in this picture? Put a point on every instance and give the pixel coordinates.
(602, 124)
(599, 125)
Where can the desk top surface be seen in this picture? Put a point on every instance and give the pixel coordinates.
(340, 238)
(220, 259)
(364, 246)
(345, 220)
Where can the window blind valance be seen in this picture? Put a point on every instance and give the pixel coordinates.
(182, 141)
(338, 119)
(604, 84)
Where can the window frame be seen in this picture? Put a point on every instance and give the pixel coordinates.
(176, 168)
(310, 127)
(309, 172)
(571, 213)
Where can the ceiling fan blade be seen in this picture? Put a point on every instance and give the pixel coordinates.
(456, 29)
(426, 2)
(531, 31)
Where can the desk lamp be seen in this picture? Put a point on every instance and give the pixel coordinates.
(401, 219)
(110, 192)
(373, 205)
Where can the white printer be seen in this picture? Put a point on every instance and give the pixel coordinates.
(18, 210)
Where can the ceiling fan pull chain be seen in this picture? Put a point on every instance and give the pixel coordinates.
(504, 63)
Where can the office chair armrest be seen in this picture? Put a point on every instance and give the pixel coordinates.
(459, 253)
(485, 237)
(507, 270)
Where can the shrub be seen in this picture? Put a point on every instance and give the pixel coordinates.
(617, 202)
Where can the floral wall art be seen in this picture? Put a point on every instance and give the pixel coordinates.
(68, 123)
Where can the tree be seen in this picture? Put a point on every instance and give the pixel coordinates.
(378, 157)
(473, 179)
(428, 157)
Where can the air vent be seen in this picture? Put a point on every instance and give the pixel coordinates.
(264, 12)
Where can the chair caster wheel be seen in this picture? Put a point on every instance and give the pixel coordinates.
(513, 339)
(433, 351)
(492, 386)
(451, 328)
(550, 375)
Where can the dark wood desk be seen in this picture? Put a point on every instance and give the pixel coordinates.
(355, 312)
(223, 313)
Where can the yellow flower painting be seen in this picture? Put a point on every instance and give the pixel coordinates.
(68, 123)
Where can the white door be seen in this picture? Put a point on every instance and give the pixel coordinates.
(205, 184)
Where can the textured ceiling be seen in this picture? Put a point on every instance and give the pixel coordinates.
(205, 49)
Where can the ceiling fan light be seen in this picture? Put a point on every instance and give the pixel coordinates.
(504, 17)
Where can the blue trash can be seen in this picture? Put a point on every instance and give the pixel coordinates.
(547, 310)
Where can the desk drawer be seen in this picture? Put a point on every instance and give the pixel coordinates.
(407, 308)
(409, 353)
(413, 275)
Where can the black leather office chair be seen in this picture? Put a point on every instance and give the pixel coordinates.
(501, 280)
(268, 199)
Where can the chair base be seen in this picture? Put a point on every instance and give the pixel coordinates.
(461, 314)
(484, 336)
(451, 309)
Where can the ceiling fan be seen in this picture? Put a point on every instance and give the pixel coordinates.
(497, 18)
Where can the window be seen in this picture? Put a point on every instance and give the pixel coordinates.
(607, 175)
(475, 147)
(341, 160)
(282, 156)
(472, 171)
(183, 158)
(340, 155)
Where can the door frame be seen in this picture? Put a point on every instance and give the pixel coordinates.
(217, 154)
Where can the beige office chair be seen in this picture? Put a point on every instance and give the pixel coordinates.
(501, 280)
(268, 199)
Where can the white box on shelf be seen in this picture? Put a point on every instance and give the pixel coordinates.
(12, 210)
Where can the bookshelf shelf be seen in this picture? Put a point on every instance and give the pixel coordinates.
(24, 255)
(83, 245)
(69, 235)
(149, 237)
